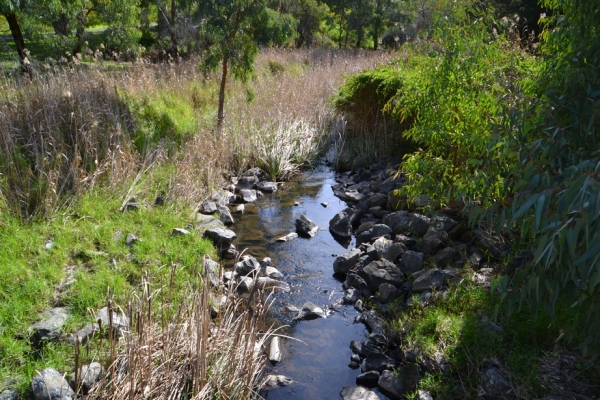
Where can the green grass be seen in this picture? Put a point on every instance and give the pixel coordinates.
(85, 237)
(455, 328)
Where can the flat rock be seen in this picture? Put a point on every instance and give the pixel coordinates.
(429, 279)
(220, 235)
(287, 238)
(368, 379)
(306, 227)
(346, 261)
(204, 222)
(358, 393)
(378, 362)
(50, 385)
(391, 386)
(266, 186)
(310, 311)
(277, 380)
(411, 262)
(269, 283)
(50, 326)
(209, 207)
(340, 226)
(248, 195)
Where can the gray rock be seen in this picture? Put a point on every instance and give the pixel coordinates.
(306, 227)
(378, 362)
(248, 195)
(494, 245)
(419, 224)
(352, 195)
(376, 231)
(364, 227)
(239, 209)
(494, 383)
(387, 249)
(9, 394)
(475, 260)
(225, 215)
(389, 184)
(358, 393)
(346, 261)
(411, 262)
(287, 238)
(131, 205)
(391, 386)
(423, 298)
(355, 281)
(269, 283)
(410, 376)
(424, 395)
(89, 375)
(266, 186)
(405, 240)
(429, 279)
(351, 296)
(229, 253)
(131, 239)
(388, 293)
(247, 266)
(50, 326)
(213, 269)
(368, 379)
(119, 321)
(446, 256)
(224, 197)
(434, 240)
(378, 200)
(340, 226)
(179, 232)
(277, 380)
(310, 311)
(85, 333)
(220, 236)
(209, 207)
(379, 272)
(443, 222)
(204, 222)
(50, 385)
(275, 350)
(272, 272)
(245, 286)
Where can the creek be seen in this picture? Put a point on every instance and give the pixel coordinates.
(317, 354)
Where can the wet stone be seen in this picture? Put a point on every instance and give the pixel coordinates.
(267, 187)
(340, 226)
(378, 362)
(287, 238)
(225, 215)
(358, 393)
(275, 350)
(248, 195)
(247, 266)
(351, 296)
(306, 227)
(220, 235)
(346, 261)
(368, 379)
(310, 311)
(277, 380)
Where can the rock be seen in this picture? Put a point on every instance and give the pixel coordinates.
(247, 266)
(446, 256)
(120, 322)
(378, 362)
(275, 350)
(266, 186)
(373, 323)
(519, 262)
(475, 260)
(443, 222)
(277, 380)
(355, 281)
(379, 272)
(310, 311)
(159, 200)
(229, 253)
(358, 393)
(419, 224)
(411, 262)
(368, 379)
(494, 245)
(494, 383)
(272, 272)
(423, 395)
(50, 385)
(364, 227)
(391, 386)
(245, 286)
(224, 197)
(378, 200)
(429, 279)
(351, 296)
(410, 376)
(49, 327)
(376, 231)
(287, 238)
(389, 184)
(179, 232)
(269, 283)
(213, 270)
(131, 205)
(340, 226)
(306, 227)
(131, 239)
(325, 204)
(85, 333)
(204, 222)
(89, 375)
(225, 215)
(387, 249)
(239, 209)
(388, 293)
(248, 195)
(352, 195)
(422, 298)
(346, 261)
(209, 207)
(409, 242)
(362, 349)
(220, 236)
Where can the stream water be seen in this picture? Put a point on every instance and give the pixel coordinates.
(317, 357)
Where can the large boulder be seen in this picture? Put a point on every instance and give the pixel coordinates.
(379, 272)
(368, 379)
(343, 263)
(50, 385)
(306, 227)
(411, 262)
(340, 226)
(378, 362)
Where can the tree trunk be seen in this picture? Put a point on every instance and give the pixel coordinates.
(375, 39)
(17, 34)
(220, 114)
(173, 33)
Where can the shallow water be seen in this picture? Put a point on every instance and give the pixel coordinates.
(318, 357)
